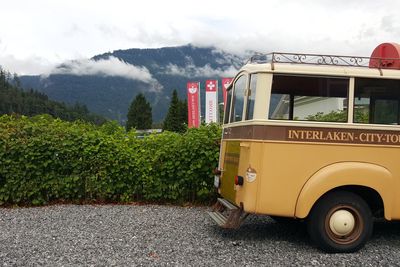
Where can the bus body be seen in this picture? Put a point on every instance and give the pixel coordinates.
(312, 137)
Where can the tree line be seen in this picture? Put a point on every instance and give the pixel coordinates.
(14, 100)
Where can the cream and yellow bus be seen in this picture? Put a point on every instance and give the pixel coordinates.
(314, 138)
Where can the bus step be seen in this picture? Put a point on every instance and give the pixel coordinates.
(227, 204)
(227, 215)
(218, 217)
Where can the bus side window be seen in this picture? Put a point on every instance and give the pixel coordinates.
(239, 89)
(376, 101)
(309, 98)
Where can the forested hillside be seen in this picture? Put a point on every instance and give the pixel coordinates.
(13, 100)
(108, 83)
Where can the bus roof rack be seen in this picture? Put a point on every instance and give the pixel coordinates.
(330, 60)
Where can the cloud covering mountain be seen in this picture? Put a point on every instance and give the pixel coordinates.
(105, 67)
(192, 70)
(108, 82)
(111, 66)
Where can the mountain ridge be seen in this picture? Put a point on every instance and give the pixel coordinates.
(108, 82)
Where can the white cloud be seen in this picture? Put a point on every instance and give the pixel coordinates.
(26, 66)
(61, 30)
(111, 66)
(191, 70)
(105, 67)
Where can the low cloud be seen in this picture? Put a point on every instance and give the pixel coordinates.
(25, 66)
(111, 66)
(194, 71)
(105, 67)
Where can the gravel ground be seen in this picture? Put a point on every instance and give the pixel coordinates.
(151, 235)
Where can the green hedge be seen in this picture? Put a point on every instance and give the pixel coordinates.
(44, 159)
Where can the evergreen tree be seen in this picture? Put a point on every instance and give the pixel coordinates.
(184, 112)
(139, 114)
(176, 116)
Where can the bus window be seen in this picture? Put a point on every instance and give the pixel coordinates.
(309, 98)
(376, 101)
(279, 106)
(239, 89)
(228, 105)
(251, 97)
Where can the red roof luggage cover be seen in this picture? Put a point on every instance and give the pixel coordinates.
(386, 56)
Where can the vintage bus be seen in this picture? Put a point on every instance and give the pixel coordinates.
(314, 138)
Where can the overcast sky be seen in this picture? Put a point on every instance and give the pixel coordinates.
(37, 35)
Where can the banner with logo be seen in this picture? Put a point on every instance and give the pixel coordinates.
(211, 101)
(225, 84)
(193, 94)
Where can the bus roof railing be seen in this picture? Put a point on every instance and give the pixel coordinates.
(327, 60)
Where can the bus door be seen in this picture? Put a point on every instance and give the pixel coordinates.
(234, 113)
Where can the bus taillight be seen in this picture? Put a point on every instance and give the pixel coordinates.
(238, 180)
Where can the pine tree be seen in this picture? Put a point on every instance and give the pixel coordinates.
(139, 114)
(176, 116)
(184, 112)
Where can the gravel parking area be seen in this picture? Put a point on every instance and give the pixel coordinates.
(151, 235)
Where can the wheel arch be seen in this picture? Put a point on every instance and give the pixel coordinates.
(374, 183)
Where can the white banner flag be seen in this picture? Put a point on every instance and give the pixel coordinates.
(211, 114)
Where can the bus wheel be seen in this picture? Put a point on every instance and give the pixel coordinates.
(340, 222)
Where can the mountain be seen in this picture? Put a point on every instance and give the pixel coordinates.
(13, 100)
(107, 83)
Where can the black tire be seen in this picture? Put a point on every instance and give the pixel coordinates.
(338, 235)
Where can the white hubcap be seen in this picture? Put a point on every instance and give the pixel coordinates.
(341, 222)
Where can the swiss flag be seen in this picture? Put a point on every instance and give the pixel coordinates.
(211, 85)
